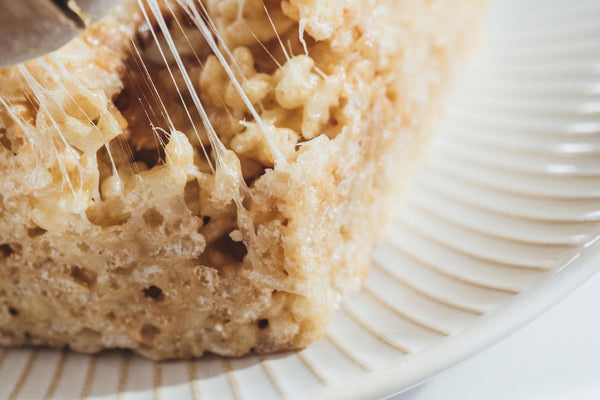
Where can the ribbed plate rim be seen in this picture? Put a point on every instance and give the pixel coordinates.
(516, 313)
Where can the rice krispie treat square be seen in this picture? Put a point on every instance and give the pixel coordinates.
(212, 176)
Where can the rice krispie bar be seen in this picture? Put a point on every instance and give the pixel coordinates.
(212, 177)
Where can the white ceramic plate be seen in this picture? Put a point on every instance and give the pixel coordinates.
(499, 226)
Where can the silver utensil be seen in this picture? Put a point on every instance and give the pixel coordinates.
(32, 28)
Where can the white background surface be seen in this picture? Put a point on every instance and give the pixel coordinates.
(555, 357)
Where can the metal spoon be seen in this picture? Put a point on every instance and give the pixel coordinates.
(32, 28)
